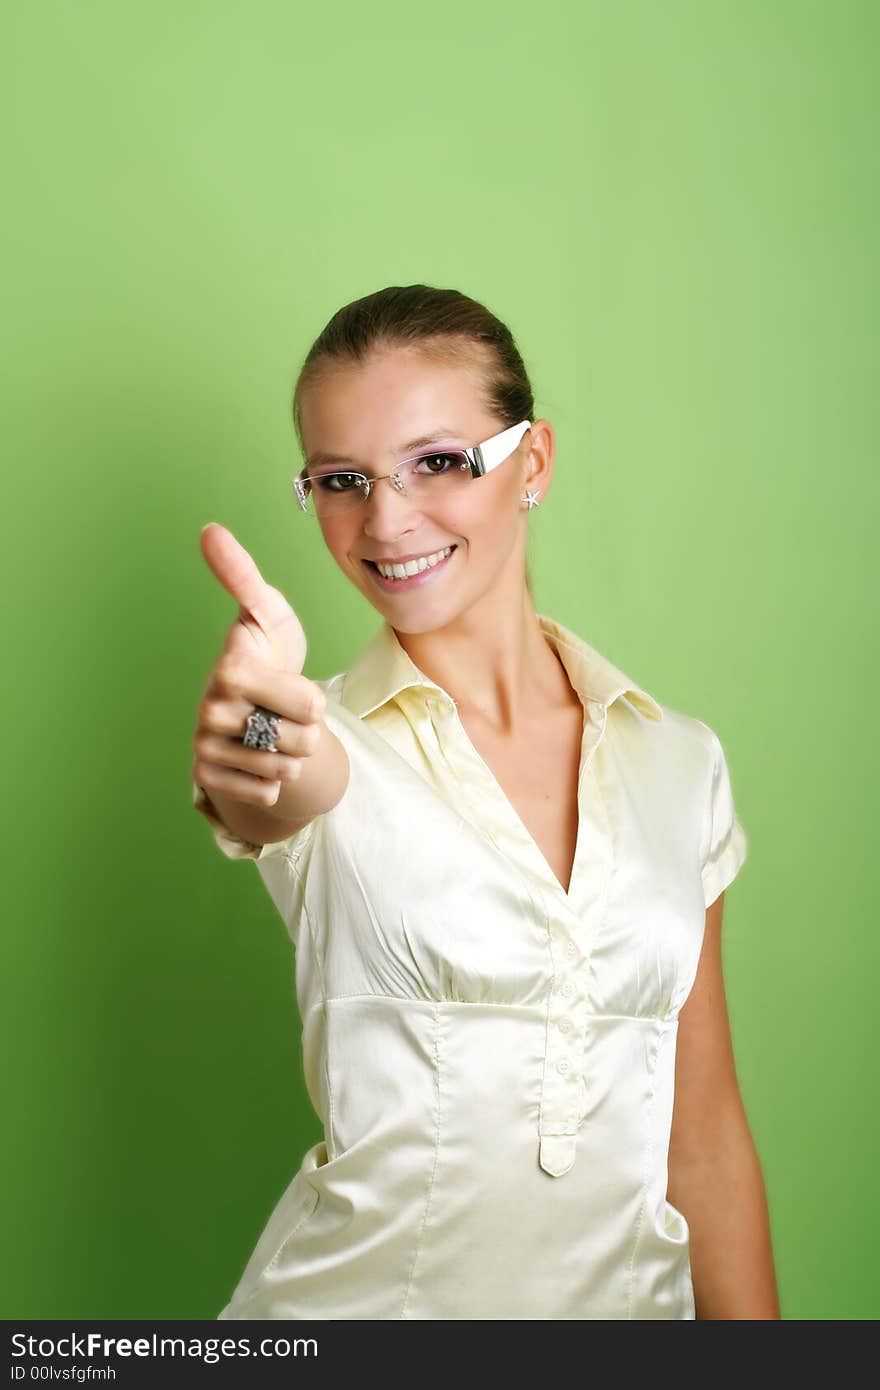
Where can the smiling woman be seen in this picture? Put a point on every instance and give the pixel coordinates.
(453, 351)
(490, 1007)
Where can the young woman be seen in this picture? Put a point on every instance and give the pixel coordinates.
(502, 864)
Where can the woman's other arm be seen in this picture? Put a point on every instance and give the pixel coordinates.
(715, 1176)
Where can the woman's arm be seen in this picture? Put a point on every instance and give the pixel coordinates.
(715, 1176)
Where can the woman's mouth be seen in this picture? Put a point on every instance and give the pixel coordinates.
(431, 568)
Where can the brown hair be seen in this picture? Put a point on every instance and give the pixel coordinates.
(445, 325)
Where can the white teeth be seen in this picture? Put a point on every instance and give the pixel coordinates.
(424, 562)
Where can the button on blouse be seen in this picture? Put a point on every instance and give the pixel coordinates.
(491, 1057)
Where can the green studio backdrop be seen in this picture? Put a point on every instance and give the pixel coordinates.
(674, 208)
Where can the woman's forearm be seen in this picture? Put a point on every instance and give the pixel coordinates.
(721, 1194)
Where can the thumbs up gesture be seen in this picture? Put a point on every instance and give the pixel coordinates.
(260, 664)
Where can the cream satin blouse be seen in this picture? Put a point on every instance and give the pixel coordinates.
(492, 1058)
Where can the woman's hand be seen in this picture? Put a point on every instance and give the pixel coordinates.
(260, 664)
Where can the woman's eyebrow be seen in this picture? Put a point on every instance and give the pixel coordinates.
(443, 432)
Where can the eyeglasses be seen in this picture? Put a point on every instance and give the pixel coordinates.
(438, 476)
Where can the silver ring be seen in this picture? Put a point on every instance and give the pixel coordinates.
(262, 730)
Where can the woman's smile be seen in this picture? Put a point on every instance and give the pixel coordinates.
(426, 575)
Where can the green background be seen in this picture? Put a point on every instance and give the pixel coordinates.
(674, 207)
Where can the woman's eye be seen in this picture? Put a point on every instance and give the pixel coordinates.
(337, 482)
(445, 462)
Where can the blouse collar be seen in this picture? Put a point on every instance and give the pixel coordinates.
(384, 669)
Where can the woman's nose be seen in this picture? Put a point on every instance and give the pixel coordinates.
(387, 510)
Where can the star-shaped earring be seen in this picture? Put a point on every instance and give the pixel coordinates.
(532, 497)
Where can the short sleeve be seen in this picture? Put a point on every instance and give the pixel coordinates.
(234, 847)
(723, 847)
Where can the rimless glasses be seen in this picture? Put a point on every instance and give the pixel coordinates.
(437, 475)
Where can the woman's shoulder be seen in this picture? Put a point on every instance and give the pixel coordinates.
(346, 721)
(682, 728)
(690, 758)
(680, 734)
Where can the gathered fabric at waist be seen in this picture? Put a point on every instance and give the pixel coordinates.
(427, 1197)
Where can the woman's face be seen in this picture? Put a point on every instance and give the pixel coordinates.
(361, 413)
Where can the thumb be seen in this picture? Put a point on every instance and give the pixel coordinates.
(263, 610)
